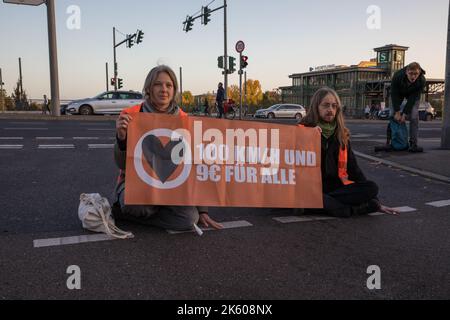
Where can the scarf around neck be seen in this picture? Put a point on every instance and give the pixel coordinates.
(147, 107)
(328, 129)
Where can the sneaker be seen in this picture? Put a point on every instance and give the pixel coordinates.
(415, 148)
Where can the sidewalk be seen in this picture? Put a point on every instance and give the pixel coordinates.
(432, 163)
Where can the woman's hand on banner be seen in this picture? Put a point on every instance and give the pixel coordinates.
(122, 126)
(207, 222)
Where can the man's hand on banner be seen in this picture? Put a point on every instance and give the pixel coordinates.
(388, 210)
(207, 222)
(122, 126)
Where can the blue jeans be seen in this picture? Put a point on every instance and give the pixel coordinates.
(413, 119)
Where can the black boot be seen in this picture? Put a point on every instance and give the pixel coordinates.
(413, 147)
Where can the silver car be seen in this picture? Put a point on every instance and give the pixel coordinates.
(110, 102)
(282, 111)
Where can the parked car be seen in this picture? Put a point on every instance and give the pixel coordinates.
(282, 111)
(426, 112)
(383, 114)
(110, 102)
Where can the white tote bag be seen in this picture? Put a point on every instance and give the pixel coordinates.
(95, 214)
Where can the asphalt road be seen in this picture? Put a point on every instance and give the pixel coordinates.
(314, 259)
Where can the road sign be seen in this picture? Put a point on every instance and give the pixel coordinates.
(26, 2)
(240, 46)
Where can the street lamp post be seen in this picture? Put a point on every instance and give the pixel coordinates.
(445, 141)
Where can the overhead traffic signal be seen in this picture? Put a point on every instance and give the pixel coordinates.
(244, 62)
(113, 81)
(188, 24)
(130, 40)
(220, 62)
(119, 83)
(231, 64)
(206, 13)
(139, 36)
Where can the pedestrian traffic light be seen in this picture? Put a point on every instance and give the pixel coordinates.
(188, 24)
(120, 83)
(113, 82)
(220, 62)
(130, 40)
(244, 62)
(139, 36)
(206, 13)
(232, 64)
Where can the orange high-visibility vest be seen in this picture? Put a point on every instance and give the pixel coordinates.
(342, 166)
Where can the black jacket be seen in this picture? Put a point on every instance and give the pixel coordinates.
(330, 156)
(401, 89)
(220, 94)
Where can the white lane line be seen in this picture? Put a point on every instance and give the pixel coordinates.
(25, 128)
(39, 243)
(11, 138)
(439, 204)
(49, 138)
(101, 129)
(95, 124)
(86, 138)
(226, 225)
(11, 146)
(28, 123)
(56, 146)
(376, 214)
(100, 146)
(294, 219)
(405, 209)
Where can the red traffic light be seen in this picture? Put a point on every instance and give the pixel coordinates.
(244, 62)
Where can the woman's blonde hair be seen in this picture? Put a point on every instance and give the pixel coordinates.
(312, 117)
(151, 79)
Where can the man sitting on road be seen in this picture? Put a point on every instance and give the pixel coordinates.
(346, 191)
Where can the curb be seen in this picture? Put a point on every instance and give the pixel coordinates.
(423, 173)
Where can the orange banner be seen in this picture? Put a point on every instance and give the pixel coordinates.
(196, 161)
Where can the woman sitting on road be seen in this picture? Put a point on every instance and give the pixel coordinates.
(346, 191)
(159, 90)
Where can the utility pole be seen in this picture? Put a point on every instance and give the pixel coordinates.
(115, 61)
(107, 77)
(245, 92)
(445, 140)
(54, 79)
(20, 79)
(1, 91)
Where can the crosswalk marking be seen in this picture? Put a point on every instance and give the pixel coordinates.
(405, 209)
(86, 138)
(39, 243)
(293, 219)
(100, 146)
(439, 204)
(25, 128)
(56, 146)
(11, 146)
(226, 225)
(11, 138)
(49, 138)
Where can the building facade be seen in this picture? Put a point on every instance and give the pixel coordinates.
(367, 83)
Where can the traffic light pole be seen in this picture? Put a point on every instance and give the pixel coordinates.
(445, 139)
(107, 78)
(1, 91)
(115, 59)
(54, 79)
(225, 49)
(240, 86)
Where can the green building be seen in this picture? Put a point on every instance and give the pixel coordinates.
(358, 85)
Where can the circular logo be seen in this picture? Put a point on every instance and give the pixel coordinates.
(187, 157)
(240, 46)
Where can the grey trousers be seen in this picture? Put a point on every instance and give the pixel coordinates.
(167, 217)
(413, 119)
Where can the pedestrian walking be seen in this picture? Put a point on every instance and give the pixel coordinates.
(220, 97)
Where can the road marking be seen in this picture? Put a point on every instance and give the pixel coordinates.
(56, 146)
(86, 138)
(405, 209)
(374, 214)
(25, 128)
(28, 123)
(11, 138)
(101, 146)
(439, 204)
(11, 146)
(49, 138)
(362, 135)
(294, 219)
(101, 129)
(39, 243)
(95, 124)
(226, 225)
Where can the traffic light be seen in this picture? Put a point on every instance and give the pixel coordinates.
(244, 62)
(220, 62)
(232, 64)
(139, 37)
(120, 83)
(130, 41)
(188, 24)
(113, 82)
(206, 13)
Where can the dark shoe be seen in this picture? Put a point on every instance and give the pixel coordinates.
(345, 212)
(415, 148)
(385, 148)
(366, 207)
